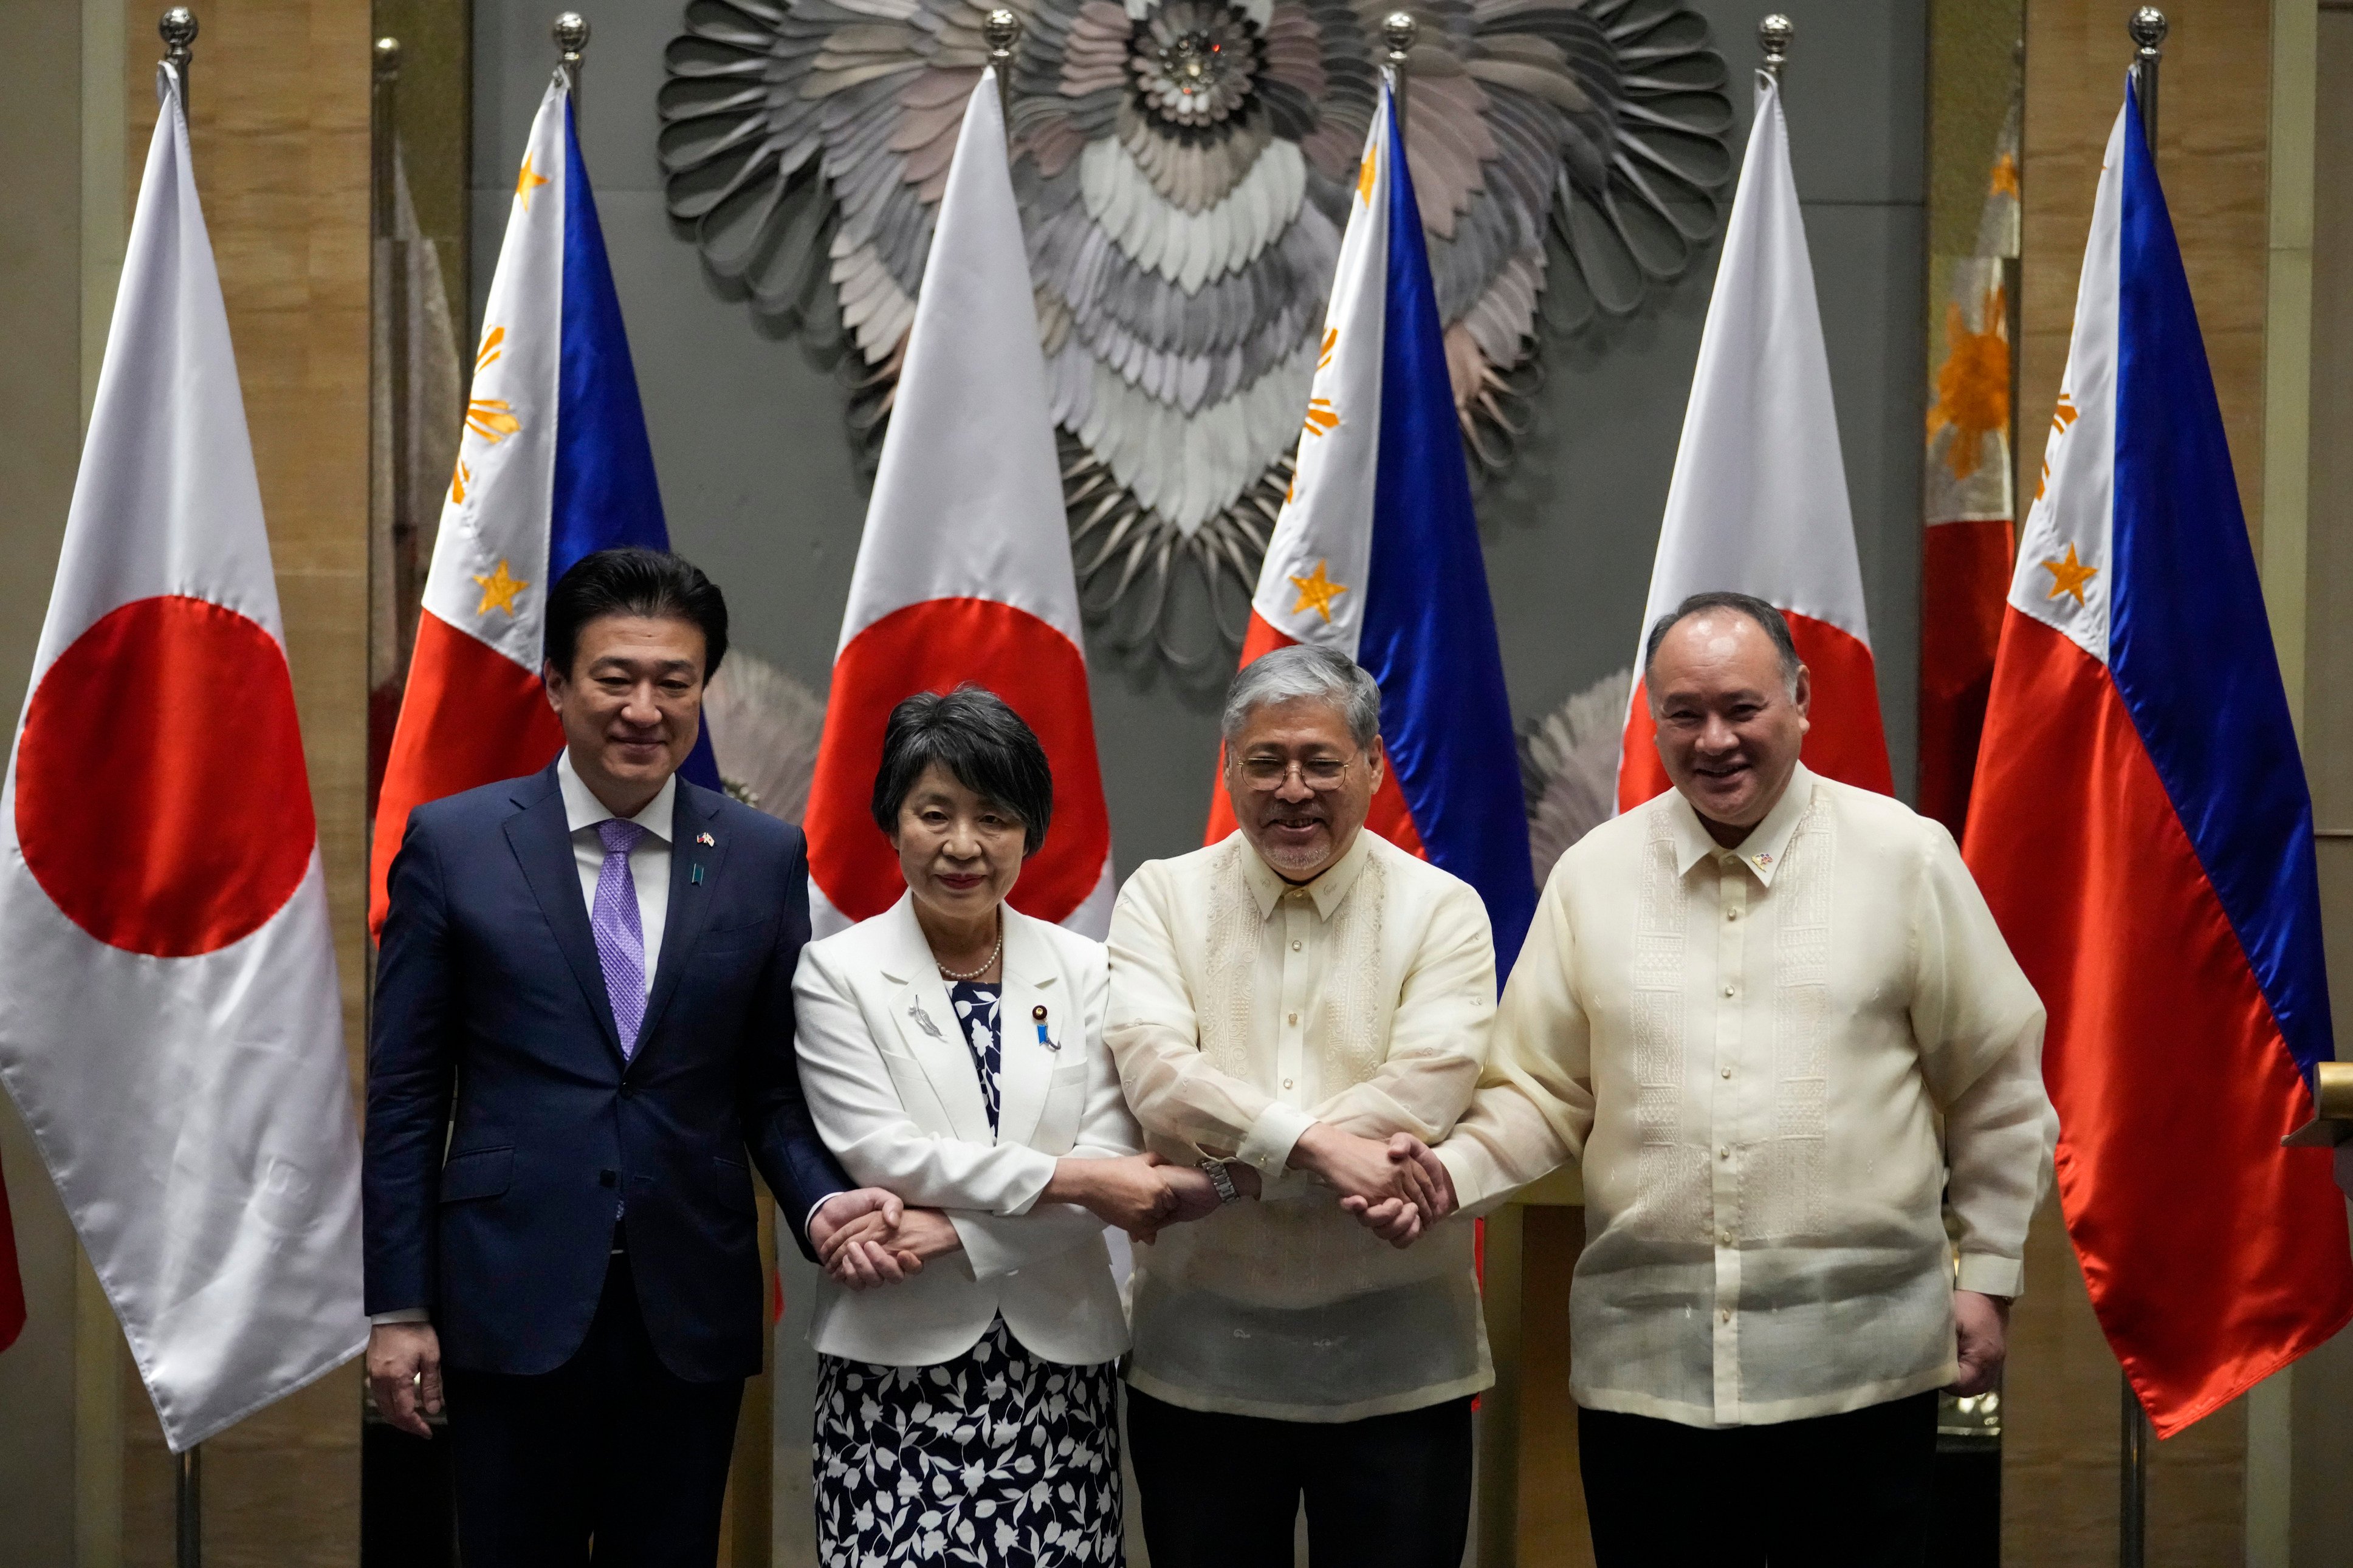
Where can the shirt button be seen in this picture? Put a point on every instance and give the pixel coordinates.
(1732, 914)
(1286, 1083)
(1725, 1315)
(1294, 1018)
(1294, 947)
(1724, 1154)
(1730, 989)
(1724, 1238)
(1727, 1072)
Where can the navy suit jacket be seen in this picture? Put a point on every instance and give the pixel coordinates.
(490, 1011)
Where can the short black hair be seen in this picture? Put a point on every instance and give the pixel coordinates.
(1775, 624)
(975, 735)
(634, 582)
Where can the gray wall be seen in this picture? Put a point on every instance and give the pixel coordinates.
(757, 474)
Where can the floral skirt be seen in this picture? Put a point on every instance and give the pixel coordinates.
(996, 1458)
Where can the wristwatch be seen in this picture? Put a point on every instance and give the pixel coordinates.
(1216, 1169)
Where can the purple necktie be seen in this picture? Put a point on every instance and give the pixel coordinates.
(620, 937)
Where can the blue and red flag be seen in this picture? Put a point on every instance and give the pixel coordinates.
(1377, 554)
(553, 464)
(2141, 827)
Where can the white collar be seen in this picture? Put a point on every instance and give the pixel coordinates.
(1327, 890)
(583, 809)
(1762, 851)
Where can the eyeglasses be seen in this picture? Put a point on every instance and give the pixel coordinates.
(1315, 772)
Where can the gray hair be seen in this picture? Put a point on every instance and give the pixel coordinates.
(1289, 674)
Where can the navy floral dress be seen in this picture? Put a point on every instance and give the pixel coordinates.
(997, 1458)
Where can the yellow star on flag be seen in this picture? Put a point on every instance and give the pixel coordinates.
(527, 182)
(2069, 576)
(498, 590)
(1316, 593)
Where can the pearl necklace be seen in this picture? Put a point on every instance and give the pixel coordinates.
(986, 963)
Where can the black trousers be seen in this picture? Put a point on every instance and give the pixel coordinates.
(1223, 1491)
(610, 1447)
(1834, 1492)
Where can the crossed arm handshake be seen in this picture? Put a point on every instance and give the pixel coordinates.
(1396, 1188)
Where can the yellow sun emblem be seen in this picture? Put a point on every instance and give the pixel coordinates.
(1973, 383)
(1316, 593)
(498, 590)
(1322, 417)
(2064, 414)
(2069, 576)
(1364, 171)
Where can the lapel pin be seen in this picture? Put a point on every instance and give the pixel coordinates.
(697, 877)
(705, 840)
(1037, 1015)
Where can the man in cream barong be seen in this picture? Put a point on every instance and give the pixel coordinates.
(1773, 1017)
(1291, 1008)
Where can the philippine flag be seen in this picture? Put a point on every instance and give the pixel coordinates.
(1758, 504)
(171, 1023)
(2140, 826)
(552, 465)
(1375, 555)
(963, 573)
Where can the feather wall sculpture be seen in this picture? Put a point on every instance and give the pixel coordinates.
(1183, 168)
(1569, 768)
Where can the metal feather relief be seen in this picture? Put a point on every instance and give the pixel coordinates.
(1569, 768)
(765, 726)
(1183, 168)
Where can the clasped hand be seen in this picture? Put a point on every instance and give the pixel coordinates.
(1397, 1188)
(869, 1238)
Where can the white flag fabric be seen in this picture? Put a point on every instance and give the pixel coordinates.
(1758, 503)
(170, 1022)
(964, 573)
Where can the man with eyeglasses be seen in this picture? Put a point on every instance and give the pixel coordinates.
(1292, 1008)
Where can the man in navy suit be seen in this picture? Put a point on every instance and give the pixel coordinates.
(583, 1021)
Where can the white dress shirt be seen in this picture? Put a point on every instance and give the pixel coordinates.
(1785, 1067)
(648, 862)
(649, 869)
(1242, 1011)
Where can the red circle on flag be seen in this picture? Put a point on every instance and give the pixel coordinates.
(937, 644)
(161, 800)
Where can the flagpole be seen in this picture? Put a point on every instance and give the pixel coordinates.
(1398, 30)
(1000, 30)
(177, 27)
(570, 32)
(2147, 28)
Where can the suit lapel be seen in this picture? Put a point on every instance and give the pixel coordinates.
(929, 1032)
(1027, 1068)
(690, 897)
(541, 838)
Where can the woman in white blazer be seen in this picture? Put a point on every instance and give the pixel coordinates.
(952, 1052)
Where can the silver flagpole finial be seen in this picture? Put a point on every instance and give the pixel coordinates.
(1000, 30)
(178, 29)
(1775, 33)
(1398, 30)
(570, 31)
(2146, 29)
